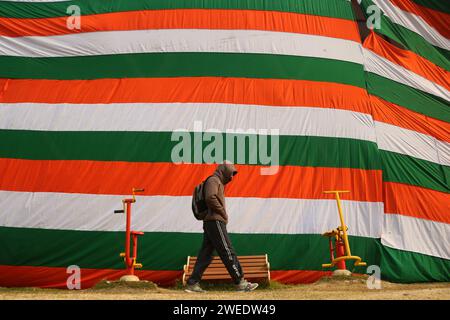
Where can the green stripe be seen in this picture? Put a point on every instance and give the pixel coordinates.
(100, 249)
(438, 5)
(403, 266)
(416, 43)
(328, 8)
(184, 64)
(157, 147)
(408, 97)
(411, 40)
(405, 169)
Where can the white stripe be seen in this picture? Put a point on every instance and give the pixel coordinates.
(413, 23)
(416, 235)
(223, 241)
(302, 121)
(181, 40)
(173, 214)
(443, 149)
(411, 143)
(176, 116)
(299, 121)
(274, 216)
(387, 69)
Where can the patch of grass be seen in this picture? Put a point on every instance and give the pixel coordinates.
(275, 285)
(30, 290)
(335, 279)
(227, 286)
(108, 285)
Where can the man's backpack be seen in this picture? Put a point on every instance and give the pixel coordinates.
(199, 207)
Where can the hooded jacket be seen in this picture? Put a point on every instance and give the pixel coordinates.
(214, 192)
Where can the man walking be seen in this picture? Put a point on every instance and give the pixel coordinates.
(215, 235)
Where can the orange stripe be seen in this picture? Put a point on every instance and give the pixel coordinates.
(416, 202)
(103, 177)
(97, 177)
(271, 92)
(298, 276)
(390, 113)
(187, 19)
(56, 277)
(436, 19)
(408, 59)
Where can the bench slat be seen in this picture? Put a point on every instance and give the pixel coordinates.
(227, 276)
(254, 267)
(246, 270)
(220, 264)
(216, 258)
(243, 263)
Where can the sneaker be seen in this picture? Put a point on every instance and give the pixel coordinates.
(246, 286)
(194, 288)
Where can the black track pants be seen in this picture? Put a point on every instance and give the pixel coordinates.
(215, 236)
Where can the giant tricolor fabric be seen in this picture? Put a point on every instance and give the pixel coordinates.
(408, 84)
(87, 114)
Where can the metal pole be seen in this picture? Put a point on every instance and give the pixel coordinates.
(127, 237)
(343, 226)
(133, 260)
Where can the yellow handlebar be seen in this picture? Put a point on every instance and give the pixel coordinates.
(136, 190)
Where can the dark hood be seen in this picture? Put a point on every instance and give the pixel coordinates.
(225, 171)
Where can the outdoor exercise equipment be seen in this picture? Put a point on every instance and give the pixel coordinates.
(341, 245)
(130, 236)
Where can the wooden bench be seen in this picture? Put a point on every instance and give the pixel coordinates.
(256, 268)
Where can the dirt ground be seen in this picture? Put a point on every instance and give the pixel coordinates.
(326, 288)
